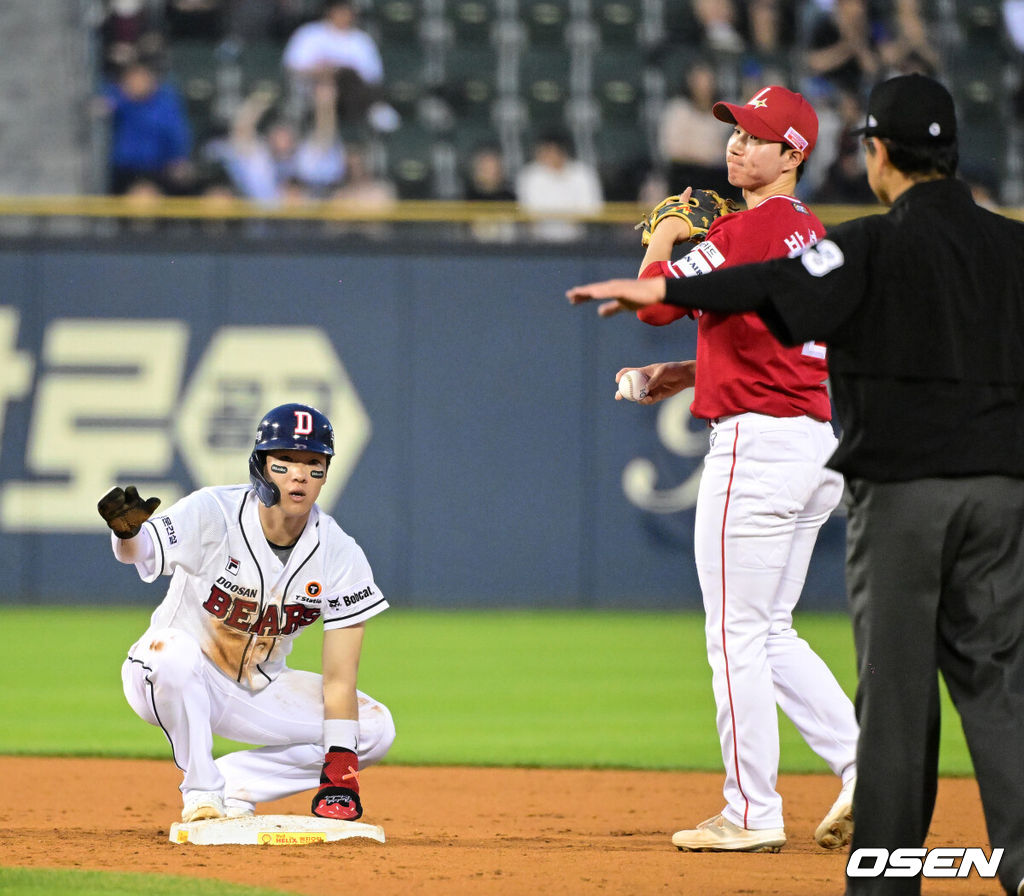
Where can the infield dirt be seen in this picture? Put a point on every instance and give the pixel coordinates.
(454, 831)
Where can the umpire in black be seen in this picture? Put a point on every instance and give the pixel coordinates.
(923, 312)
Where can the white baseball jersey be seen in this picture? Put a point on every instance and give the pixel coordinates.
(230, 591)
(317, 44)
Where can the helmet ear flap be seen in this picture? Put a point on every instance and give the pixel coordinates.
(268, 493)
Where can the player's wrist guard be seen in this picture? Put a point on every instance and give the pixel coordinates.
(338, 796)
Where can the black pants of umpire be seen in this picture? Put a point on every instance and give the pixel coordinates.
(935, 574)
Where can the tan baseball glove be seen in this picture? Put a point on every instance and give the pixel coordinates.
(699, 211)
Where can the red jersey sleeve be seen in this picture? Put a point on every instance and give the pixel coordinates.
(660, 314)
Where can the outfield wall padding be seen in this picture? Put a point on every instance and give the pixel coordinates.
(483, 460)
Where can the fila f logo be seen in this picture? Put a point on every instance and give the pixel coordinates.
(303, 423)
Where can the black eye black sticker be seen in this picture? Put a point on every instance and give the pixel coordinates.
(278, 468)
(316, 474)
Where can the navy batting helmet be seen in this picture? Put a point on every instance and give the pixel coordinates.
(297, 427)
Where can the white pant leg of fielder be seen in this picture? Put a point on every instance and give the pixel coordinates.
(805, 688)
(166, 681)
(759, 475)
(287, 716)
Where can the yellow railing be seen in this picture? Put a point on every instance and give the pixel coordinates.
(405, 211)
(322, 210)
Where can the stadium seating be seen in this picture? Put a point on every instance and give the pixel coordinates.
(463, 71)
(194, 71)
(618, 22)
(545, 21)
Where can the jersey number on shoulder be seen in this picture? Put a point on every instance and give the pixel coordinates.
(822, 257)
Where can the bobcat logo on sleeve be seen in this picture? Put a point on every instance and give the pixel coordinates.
(363, 600)
(351, 600)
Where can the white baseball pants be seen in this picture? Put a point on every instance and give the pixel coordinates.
(764, 494)
(170, 683)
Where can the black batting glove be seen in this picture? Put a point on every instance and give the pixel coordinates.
(125, 512)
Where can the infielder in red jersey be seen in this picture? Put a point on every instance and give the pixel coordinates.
(740, 366)
(764, 491)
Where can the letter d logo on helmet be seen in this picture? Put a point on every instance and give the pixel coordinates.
(298, 427)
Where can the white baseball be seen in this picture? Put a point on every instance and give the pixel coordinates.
(633, 385)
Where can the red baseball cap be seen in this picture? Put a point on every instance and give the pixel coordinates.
(777, 114)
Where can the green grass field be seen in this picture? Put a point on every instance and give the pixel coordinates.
(563, 689)
(31, 882)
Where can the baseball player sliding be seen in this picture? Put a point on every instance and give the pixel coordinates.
(252, 566)
(764, 492)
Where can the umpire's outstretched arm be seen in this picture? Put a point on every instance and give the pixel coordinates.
(793, 296)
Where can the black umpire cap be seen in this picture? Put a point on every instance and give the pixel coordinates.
(912, 109)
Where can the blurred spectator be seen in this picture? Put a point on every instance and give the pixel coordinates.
(294, 192)
(826, 101)
(362, 186)
(556, 184)
(143, 193)
(125, 24)
(335, 45)
(218, 196)
(363, 190)
(691, 141)
(486, 177)
(769, 27)
(843, 46)
(278, 165)
(320, 157)
(142, 197)
(717, 22)
(487, 180)
(910, 49)
(125, 21)
(1013, 19)
(845, 182)
(149, 132)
